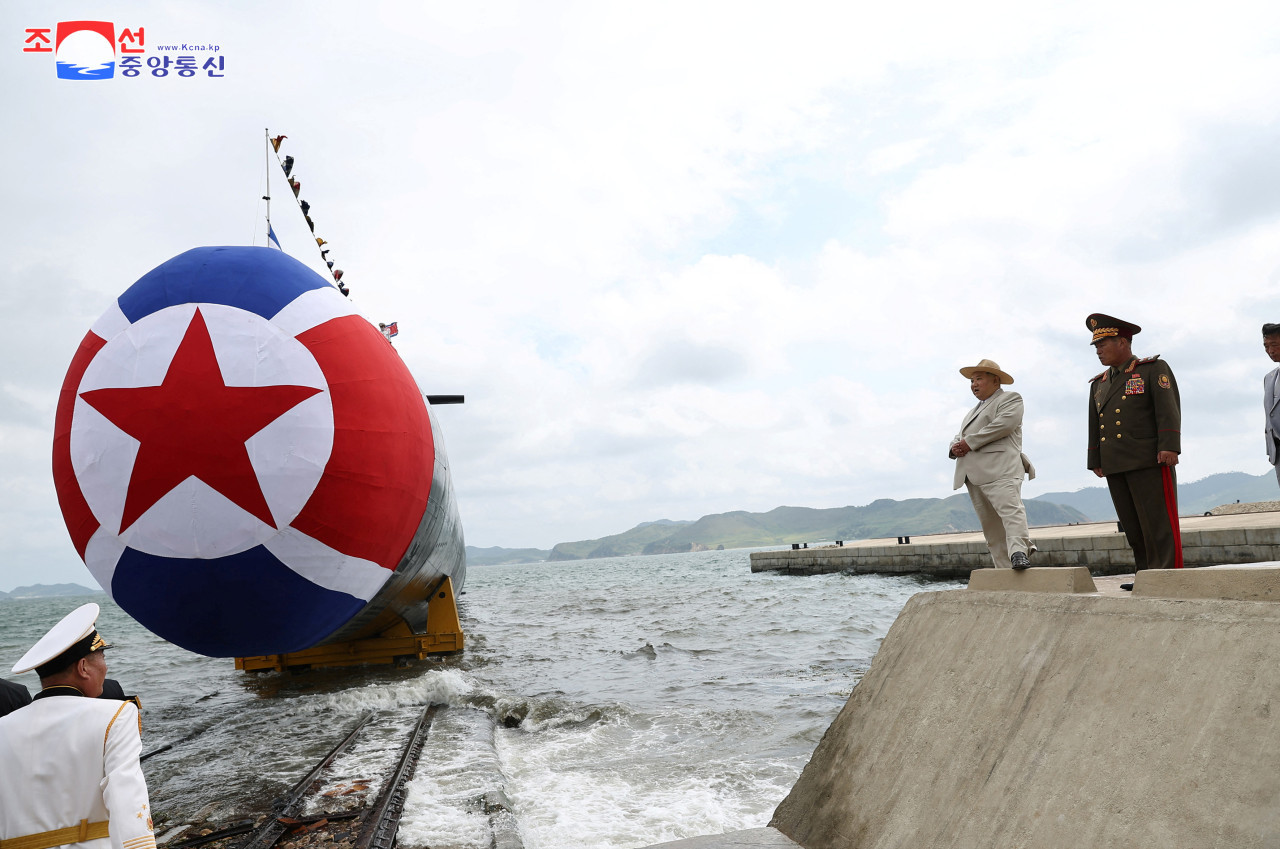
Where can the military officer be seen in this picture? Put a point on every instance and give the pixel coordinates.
(12, 696)
(71, 775)
(1135, 437)
(1271, 394)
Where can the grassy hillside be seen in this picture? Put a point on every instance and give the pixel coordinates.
(628, 542)
(494, 555)
(1194, 498)
(883, 518)
(784, 525)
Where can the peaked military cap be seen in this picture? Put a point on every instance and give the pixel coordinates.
(72, 638)
(1104, 326)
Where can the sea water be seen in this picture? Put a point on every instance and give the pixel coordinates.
(617, 702)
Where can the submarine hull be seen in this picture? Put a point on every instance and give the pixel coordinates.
(247, 466)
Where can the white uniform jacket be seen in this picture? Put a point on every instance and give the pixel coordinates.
(71, 758)
(993, 430)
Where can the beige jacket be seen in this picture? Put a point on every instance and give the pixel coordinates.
(993, 430)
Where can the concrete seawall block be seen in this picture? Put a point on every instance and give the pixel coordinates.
(1054, 721)
(1243, 554)
(1235, 536)
(1244, 583)
(1206, 541)
(1193, 556)
(1093, 557)
(1262, 536)
(1034, 580)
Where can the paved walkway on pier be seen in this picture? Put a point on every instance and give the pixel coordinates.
(1206, 541)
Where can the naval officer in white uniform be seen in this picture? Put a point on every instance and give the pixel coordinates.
(990, 463)
(70, 774)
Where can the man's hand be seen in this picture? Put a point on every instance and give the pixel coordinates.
(1099, 473)
(1167, 458)
(960, 449)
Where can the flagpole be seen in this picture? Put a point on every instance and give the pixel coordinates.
(266, 131)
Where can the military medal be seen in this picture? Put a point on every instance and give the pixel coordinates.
(1135, 385)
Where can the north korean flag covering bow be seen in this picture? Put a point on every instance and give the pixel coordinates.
(241, 460)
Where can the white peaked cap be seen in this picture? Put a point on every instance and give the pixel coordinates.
(73, 628)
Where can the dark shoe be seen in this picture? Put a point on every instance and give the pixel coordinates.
(1127, 587)
(1020, 560)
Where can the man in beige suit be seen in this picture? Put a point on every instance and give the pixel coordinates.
(990, 463)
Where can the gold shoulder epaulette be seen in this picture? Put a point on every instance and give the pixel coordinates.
(1145, 360)
(1098, 376)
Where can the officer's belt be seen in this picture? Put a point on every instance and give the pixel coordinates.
(58, 837)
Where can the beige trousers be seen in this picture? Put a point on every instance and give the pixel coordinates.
(1004, 519)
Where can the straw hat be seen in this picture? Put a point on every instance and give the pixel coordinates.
(990, 367)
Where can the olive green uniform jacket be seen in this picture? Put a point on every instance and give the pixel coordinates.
(1135, 412)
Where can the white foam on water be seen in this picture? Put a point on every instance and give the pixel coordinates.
(436, 686)
(624, 784)
(444, 806)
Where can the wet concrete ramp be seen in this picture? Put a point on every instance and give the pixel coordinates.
(1017, 719)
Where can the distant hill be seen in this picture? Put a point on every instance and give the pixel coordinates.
(883, 518)
(629, 542)
(496, 556)
(47, 591)
(1194, 498)
(783, 525)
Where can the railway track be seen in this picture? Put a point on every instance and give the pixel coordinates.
(319, 810)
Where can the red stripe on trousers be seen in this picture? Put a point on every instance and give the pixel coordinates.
(1171, 505)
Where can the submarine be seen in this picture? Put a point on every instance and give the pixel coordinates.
(249, 469)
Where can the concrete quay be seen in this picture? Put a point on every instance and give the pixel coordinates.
(1048, 709)
(1206, 541)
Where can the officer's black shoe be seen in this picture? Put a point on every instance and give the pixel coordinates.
(1127, 587)
(1020, 560)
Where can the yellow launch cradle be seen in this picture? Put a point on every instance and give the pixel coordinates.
(398, 643)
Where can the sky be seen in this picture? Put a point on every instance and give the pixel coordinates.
(681, 258)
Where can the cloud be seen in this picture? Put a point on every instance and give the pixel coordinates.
(682, 259)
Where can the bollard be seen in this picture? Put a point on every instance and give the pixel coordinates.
(840, 543)
(795, 546)
(806, 545)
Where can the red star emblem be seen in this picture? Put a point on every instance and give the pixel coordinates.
(193, 424)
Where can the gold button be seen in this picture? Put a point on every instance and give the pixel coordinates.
(1117, 409)
(1117, 423)
(1104, 427)
(1118, 435)
(1104, 439)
